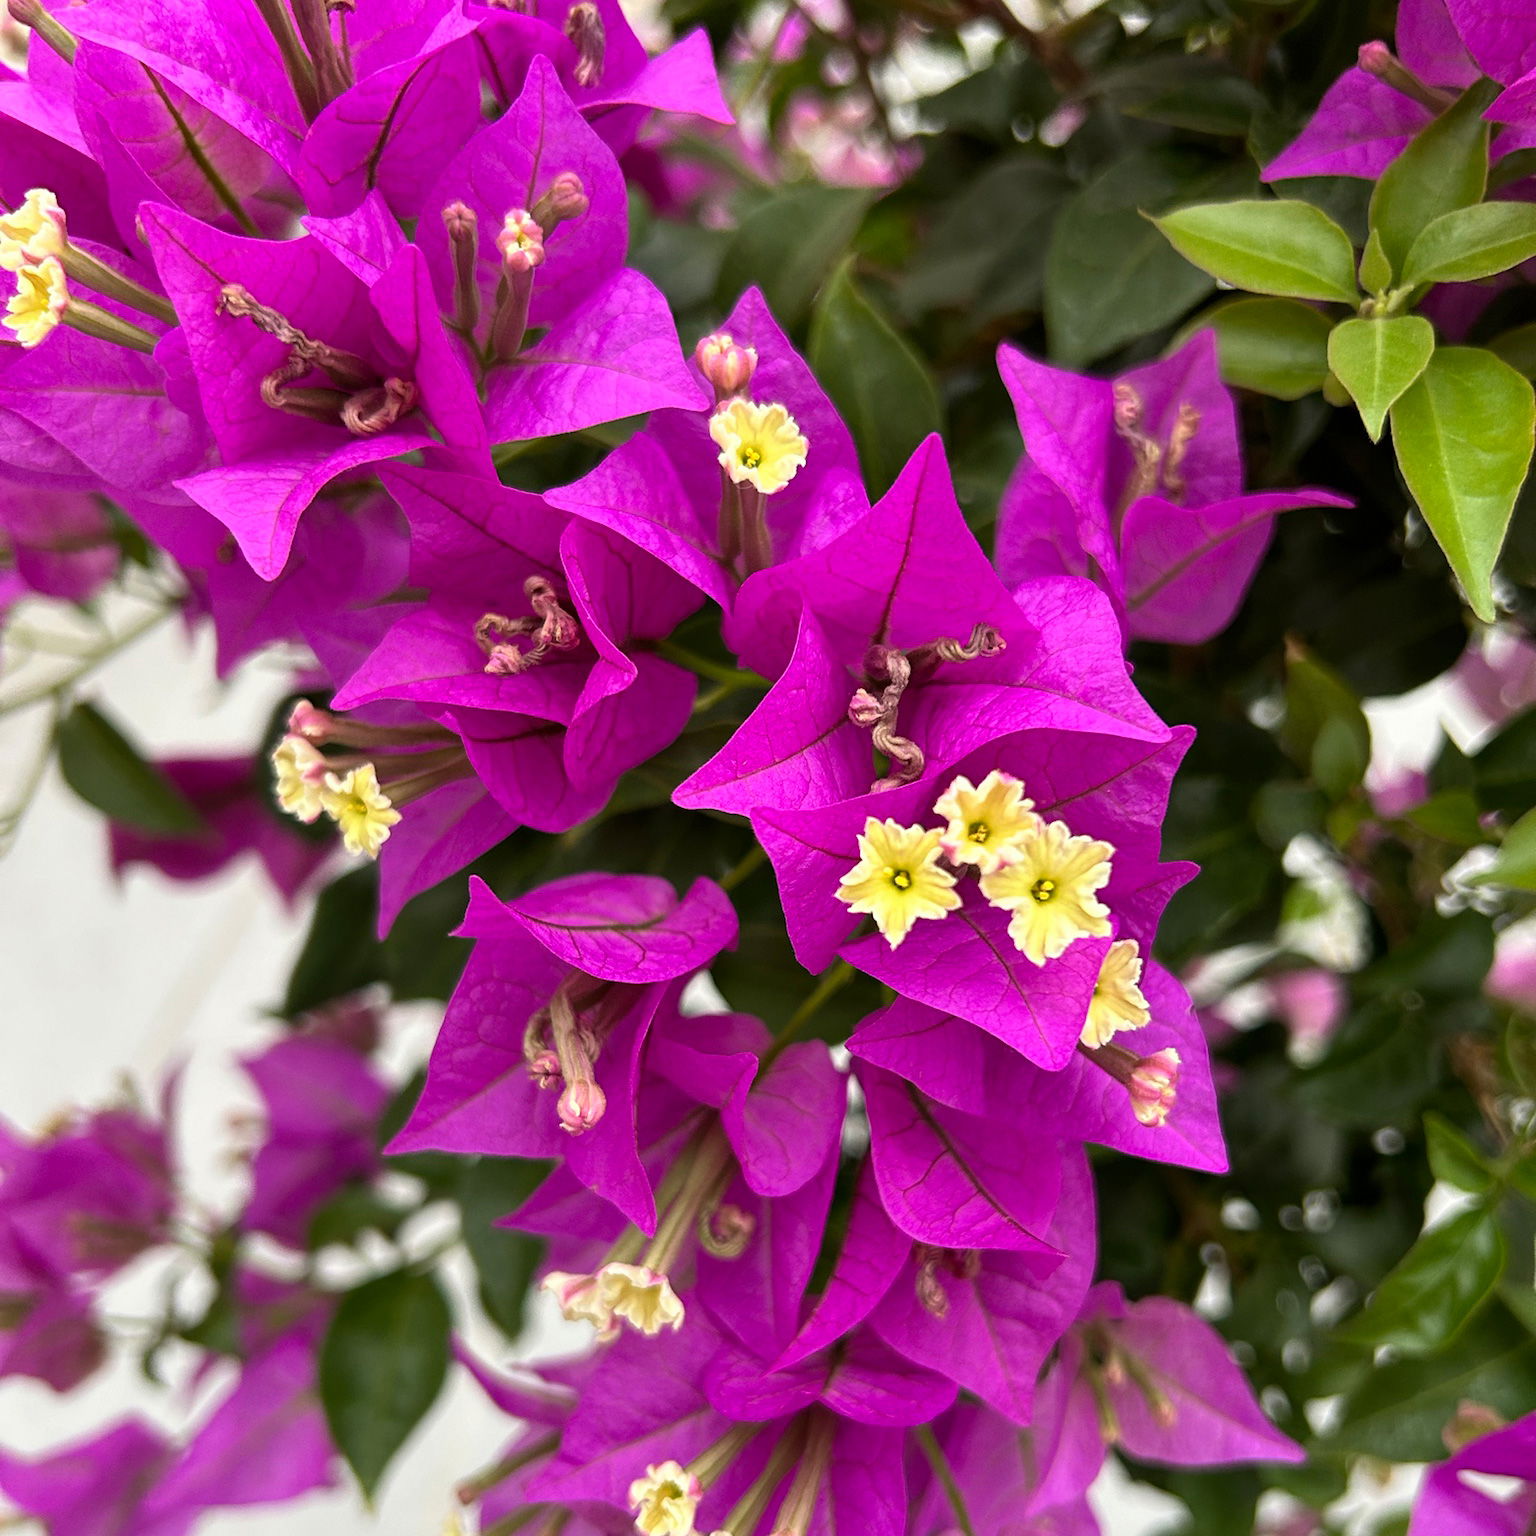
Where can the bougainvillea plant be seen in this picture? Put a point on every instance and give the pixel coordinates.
(858, 682)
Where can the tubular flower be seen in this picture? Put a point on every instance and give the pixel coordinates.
(760, 445)
(898, 878)
(987, 821)
(581, 1300)
(300, 774)
(665, 1500)
(36, 308)
(32, 232)
(1117, 1001)
(360, 808)
(1050, 891)
(642, 1297)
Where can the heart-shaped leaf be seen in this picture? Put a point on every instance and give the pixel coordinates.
(1376, 360)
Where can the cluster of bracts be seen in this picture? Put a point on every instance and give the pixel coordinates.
(291, 284)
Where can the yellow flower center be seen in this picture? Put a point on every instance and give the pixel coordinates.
(665, 1500)
(1117, 1002)
(1050, 888)
(760, 445)
(986, 820)
(898, 878)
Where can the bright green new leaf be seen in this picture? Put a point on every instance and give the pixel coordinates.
(383, 1362)
(1463, 434)
(1376, 360)
(1445, 1277)
(1276, 246)
(1516, 862)
(1469, 243)
(102, 766)
(1444, 168)
(874, 378)
(1278, 347)
(1453, 1158)
(1375, 269)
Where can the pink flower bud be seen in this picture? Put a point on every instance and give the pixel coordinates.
(581, 1106)
(461, 222)
(566, 199)
(1375, 58)
(727, 364)
(1154, 1086)
(307, 721)
(544, 1069)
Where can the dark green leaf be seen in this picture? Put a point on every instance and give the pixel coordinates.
(787, 246)
(1463, 434)
(340, 953)
(1454, 1158)
(1471, 243)
(1504, 772)
(1267, 245)
(102, 766)
(874, 378)
(1109, 275)
(1377, 359)
(1517, 348)
(382, 1364)
(1278, 347)
(1325, 729)
(505, 1260)
(1401, 1408)
(1443, 169)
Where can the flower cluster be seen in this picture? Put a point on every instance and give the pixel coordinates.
(345, 264)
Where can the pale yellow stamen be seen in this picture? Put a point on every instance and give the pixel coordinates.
(300, 773)
(759, 445)
(34, 311)
(360, 808)
(665, 1500)
(1049, 889)
(987, 821)
(898, 878)
(1117, 1001)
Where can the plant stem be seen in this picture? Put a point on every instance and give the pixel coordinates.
(942, 1470)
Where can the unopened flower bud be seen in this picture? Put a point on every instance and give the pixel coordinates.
(521, 241)
(1378, 61)
(1375, 58)
(581, 1106)
(727, 364)
(864, 709)
(461, 222)
(1471, 1421)
(307, 721)
(566, 199)
(1154, 1086)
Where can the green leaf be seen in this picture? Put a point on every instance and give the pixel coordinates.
(1271, 245)
(1109, 275)
(1375, 269)
(504, 1259)
(1469, 243)
(1515, 865)
(1278, 347)
(1400, 1409)
(1453, 1157)
(1444, 168)
(874, 378)
(1325, 729)
(1463, 435)
(102, 766)
(1449, 814)
(788, 245)
(1376, 360)
(340, 953)
(1517, 348)
(1504, 771)
(382, 1364)
(1444, 1278)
